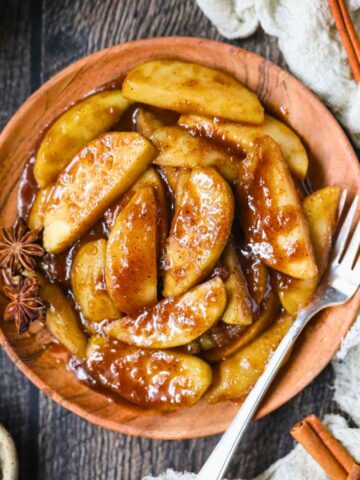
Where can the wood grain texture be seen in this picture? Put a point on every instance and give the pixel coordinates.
(67, 446)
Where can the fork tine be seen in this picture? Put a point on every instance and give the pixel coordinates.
(344, 231)
(353, 248)
(342, 202)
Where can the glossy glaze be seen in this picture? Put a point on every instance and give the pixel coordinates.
(161, 379)
(173, 321)
(199, 231)
(131, 254)
(94, 178)
(271, 212)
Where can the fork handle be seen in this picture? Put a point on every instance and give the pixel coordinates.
(217, 463)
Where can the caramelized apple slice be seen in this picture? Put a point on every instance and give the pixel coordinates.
(179, 149)
(263, 319)
(243, 136)
(199, 230)
(37, 212)
(238, 309)
(257, 277)
(88, 282)
(235, 376)
(271, 213)
(95, 177)
(131, 270)
(74, 129)
(320, 209)
(190, 88)
(61, 319)
(161, 379)
(182, 179)
(148, 121)
(173, 321)
(150, 179)
(170, 176)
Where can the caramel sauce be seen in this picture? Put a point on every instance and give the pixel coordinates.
(27, 189)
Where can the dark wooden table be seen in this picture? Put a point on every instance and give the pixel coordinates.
(37, 39)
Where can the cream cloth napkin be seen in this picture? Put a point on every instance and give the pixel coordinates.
(308, 40)
(311, 46)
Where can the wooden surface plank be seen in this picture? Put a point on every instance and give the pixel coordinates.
(40, 38)
(19, 404)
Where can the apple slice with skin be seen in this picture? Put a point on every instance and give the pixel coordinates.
(320, 209)
(257, 276)
(61, 318)
(160, 379)
(177, 148)
(199, 231)
(37, 212)
(238, 310)
(242, 136)
(271, 212)
(174, 321)
(94, 178)
(88, 282)
(235, 376)
(150, 179)
(149, 120)
(74, 129)
(131, 266)
(190, 88)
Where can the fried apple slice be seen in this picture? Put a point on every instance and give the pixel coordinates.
(271, 212)
(190, 88)
(161, 379)
(257, 276)
(242, 136)
(37, 212)
(88, 282)
(95, 177)
(147, 122)
(61, 319)
(320, 209)
(170, 176)
(173, 321)
(74, 129)
(238, 310)
(263, 319)
(199, 230)
(235, 376)
(150, 179)
(182, 179)
(177, 148)
(131, 267)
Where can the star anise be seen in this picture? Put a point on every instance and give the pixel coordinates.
(25, 304)
(18, 247)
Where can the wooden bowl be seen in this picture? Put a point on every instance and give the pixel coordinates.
(333, 162)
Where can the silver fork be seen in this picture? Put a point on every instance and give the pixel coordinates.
(338, 285)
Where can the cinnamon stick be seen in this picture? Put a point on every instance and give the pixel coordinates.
(304, 434)
(347, 34)
(335, 447)
(350, 28)
(355, 473)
